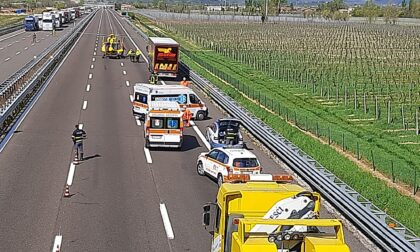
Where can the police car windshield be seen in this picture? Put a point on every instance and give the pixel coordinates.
(245, 162)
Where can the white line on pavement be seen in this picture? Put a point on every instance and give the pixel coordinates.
(84, 105)
(42, 38)
(131, 98)
(127, 83)
(33, 44)
(9, 45)
(71, 173)
(26, 48)
(88, 88)
(166, 221)
(90, 76)
(7, 59)
(17, 41)
(94, 53)
(163, 83)
(200, 135)
(138, 122)
(93, 59)
(91, 66)
(148, 156)
(17, 53)
(124, 72)
(122, 64)
(14, 35)
(1, 48)
(95, 49)
(57, 243)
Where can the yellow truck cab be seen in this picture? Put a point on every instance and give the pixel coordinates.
(163, 125)
(252, 209)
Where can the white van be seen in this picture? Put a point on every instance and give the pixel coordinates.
(184, 96)
(163, 125)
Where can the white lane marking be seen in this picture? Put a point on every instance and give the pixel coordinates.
(81, 126)
(33, 44)
(131, 98)
(91, 66)
(122, 64)
(84, 105)
(17, 41)
(57, 243)
(163, 83)
(88, 88)
(26, 48)
(166, 222)
(200, 135)
(95, 49)
(14, 35)
(48, 35)
(93, 59)
(131, 39)
(127, 83)
(138, 122)
(124, 72)
(9, 45)
(7, 59)
(17, 53)
(148, 156)
(42, 38)
(1, 48)
(71, 173)
(94, 53)
(90, 76)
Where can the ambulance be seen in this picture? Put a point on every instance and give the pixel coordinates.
(184, 96)
(163, 125)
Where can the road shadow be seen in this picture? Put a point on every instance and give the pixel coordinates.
(190, 143)
(92, 157)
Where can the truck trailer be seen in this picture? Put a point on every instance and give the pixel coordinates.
(163, 56)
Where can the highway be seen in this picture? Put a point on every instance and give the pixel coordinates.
(119, 193)
(17, 48)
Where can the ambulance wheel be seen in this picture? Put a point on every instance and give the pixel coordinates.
(200, 169)
(147, 144)
(200, 116)
(219, 180)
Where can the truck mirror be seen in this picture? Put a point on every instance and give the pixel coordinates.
(206, 219)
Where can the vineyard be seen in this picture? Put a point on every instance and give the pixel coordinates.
(354, 85)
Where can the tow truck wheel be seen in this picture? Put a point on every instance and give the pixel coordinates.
(200, 169)
(200, 116)
(219, 180)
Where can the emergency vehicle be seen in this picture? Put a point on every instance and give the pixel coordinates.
(267, 213)
(184, 96)
(220, 162)
(163, 125)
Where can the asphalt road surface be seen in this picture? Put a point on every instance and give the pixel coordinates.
(117, 194)
(18, 48)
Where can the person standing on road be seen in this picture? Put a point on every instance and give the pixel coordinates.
(184, 82)
(130, 54)
(34, 38)
(138, 54)
(78, 136)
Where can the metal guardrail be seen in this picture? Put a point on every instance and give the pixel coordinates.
(18, 89)
(365, 215)
(11, 29)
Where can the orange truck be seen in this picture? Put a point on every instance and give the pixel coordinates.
(163, 57)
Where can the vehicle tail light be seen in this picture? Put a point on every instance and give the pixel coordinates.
(282, 178)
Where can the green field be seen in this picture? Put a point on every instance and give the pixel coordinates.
(294, 100)
(7, 20)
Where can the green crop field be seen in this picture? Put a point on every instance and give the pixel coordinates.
(316, 101)
(7, 20)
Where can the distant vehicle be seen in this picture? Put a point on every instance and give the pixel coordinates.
(184, 96)
(72, 14)
(225, 132)
(31, 23)
(117, 6)
(163, 125)
(219, 163)
(58, 19)
(40, 23)
(77, 12)
(163, 57)
(20, 11)
(48, 21)
(67, 16)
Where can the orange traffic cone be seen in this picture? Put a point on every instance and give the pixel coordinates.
(67, 192)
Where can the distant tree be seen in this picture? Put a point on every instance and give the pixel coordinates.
(370, 11)
(411, 5)
(404, 3)
(391, 14)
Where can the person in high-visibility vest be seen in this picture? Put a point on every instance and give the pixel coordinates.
(184, 82)
(138, 54)
(153, 79)
(130, 54)
(187, 116)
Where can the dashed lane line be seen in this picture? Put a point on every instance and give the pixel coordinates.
(9, 45)
(166, 222)
(93, 59)
(91, 66)
(148, 156)
(94, 53)
(138, 122)
(57, 243)
(17, 53)
(200, 135)
(90, 76)
(26, 48)
(124, 72)
(131, 98)
(85, 103)
(122, 64)
(7, 59)
(87, 87)
(127, 83)
(14, 35)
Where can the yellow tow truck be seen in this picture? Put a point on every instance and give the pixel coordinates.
(267, 213)
(112, 47)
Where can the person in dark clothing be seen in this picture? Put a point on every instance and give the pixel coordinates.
(78, 136)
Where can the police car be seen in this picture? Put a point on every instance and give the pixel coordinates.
(222, 161)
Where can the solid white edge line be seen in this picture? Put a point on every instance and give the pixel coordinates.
(71, 174)
(32, 104)
(138, 122)
(57, 243)
(200, 135)
(87, 87)
(148, 156)
(84, 105)
(127, 83)
(166, 221)
(90, 76)
(131, 98)
(14, 35)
